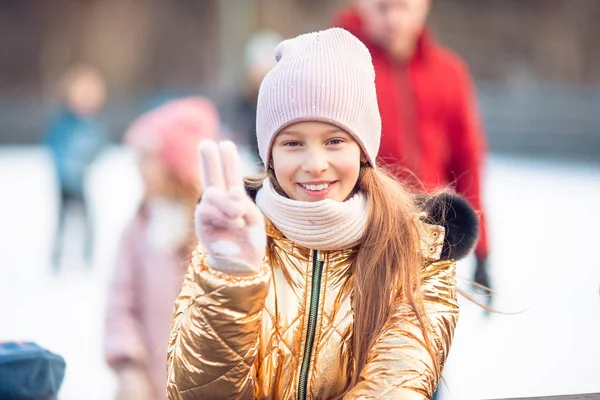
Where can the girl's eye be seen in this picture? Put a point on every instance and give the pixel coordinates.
(336, 141)
(291, 143)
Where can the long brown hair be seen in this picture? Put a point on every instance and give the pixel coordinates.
(387, 265)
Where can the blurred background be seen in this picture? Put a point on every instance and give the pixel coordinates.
(536, 66)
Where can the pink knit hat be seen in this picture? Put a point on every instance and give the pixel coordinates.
(173, 131)
(321, 76)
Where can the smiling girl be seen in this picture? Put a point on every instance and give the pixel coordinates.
(335, 281)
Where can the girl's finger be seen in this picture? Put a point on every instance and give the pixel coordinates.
(230, 160)
(210, 165)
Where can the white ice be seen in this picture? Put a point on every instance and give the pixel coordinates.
(543, 219)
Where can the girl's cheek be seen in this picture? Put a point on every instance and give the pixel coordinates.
(285, 163)
(283, 173)
(348, 162)
(348, 166)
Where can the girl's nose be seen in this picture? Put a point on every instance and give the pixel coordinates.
(315, 163)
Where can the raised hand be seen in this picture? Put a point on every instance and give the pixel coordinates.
(228, 224)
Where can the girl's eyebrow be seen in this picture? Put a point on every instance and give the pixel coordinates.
(334, 130)
(326, 132)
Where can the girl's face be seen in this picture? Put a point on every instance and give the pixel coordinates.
(158, 180)
(315, 161)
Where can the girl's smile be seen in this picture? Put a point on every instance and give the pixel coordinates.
(318, 190)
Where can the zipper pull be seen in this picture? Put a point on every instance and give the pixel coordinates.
(320, 256)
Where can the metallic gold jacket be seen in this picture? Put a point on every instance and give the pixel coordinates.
(285, 333)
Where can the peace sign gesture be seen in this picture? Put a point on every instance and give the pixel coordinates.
(227, 222)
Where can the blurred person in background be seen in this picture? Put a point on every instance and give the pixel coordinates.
(432, 133)
(239, 113)
(75, 137)
(156, 245)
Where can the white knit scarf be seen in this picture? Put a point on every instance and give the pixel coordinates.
(321, 225)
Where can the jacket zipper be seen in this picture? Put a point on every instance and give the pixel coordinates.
(312, 324)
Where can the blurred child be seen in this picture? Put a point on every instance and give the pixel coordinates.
(155, 246)
(75, 138)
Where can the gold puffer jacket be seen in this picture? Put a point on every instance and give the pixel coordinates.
(286, 332)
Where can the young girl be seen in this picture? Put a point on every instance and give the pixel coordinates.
(156, 245)
(337, 282)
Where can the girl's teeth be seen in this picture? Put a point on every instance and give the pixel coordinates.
(317, 187)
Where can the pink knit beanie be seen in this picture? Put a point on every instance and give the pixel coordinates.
(321, 76)
(173, 131)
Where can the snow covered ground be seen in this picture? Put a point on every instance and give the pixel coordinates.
(544, 237)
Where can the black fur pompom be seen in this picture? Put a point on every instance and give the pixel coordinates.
(251, 192)
(459, 219)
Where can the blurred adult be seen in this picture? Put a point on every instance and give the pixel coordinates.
(432, 135)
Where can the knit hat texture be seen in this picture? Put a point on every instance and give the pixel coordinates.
(323, 76)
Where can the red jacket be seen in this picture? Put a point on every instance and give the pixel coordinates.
(430, 120)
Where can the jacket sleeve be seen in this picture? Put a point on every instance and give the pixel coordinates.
(123, 341)
(468, 148)
(399, 367)
(214, 334)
